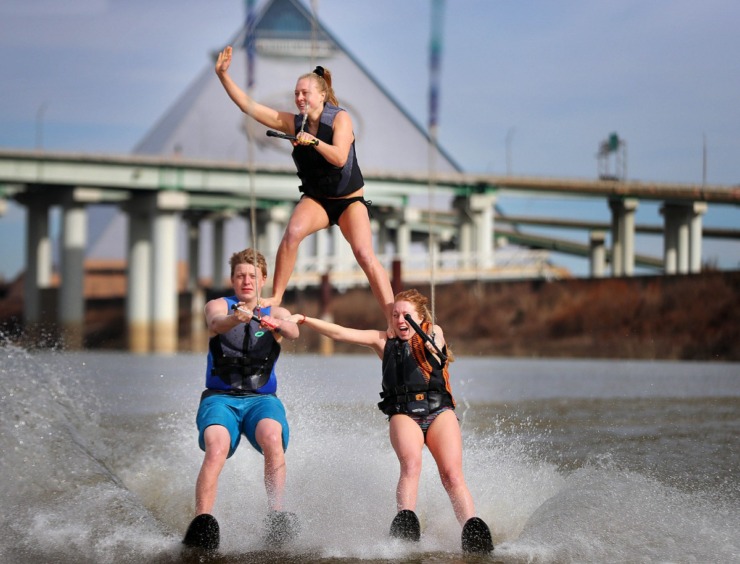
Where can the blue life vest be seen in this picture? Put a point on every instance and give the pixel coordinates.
(242, 360)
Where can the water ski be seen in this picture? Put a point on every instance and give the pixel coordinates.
(280, 527)
(406, 526)
(476, 536)
(203, 532)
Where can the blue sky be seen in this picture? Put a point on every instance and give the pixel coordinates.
(554, 77)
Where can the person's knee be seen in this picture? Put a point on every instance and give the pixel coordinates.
(293, 235)
(410, 466)
(270, 437)
(365, 257)
(216, 453)
(452, 479)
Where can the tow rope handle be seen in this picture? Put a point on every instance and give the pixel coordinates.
(271, 326)
(254, 317)
(425, 337)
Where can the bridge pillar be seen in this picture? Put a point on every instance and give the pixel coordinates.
(623, 235)
(682, 242)
(482, 207)
(197, 294)
(38, 259)
(405, 217)
(343, 259)
(139, 279)
(466, 244)
(321, 242)
(698, 209)
(384, 238)
(71, 312)
(218, 266)
(597, 254)
(164, 258)
(275, 220)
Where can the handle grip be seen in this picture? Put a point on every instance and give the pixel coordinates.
(279, 135)
(426, 338)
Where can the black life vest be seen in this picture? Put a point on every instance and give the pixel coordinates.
(319, 177)
(414, 382)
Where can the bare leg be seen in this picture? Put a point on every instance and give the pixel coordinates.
(408, 441)
(206, 487)
(355, 226)
(270, 438)
(308, 217)
(445, 443)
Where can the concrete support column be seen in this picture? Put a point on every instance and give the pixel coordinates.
(623, 236)
(218, 269)
(164, 270)
(38, 260)
(698, 209)
(262, 238)
(72, 289)
(321, 238)
(597, 254)
(197, 294)
(138, 295)
(465, 232)
(384, 238)
(684, 225)
(670, 240)
(344, 262)
(377, 234)
(405, 217)
(482, 207)
(682, 242)
(465, 246)
(276, 219)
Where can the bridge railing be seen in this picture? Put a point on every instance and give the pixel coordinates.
(507, 263)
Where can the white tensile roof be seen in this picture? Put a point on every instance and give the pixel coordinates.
(205, 124)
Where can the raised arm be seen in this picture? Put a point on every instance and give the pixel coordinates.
(365, 337)
(282, 121)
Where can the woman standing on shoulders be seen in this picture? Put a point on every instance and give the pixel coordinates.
(418, 400)
(332, 184)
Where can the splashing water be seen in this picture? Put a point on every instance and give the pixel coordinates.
(100, 456)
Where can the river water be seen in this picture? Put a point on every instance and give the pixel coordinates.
(567, 460)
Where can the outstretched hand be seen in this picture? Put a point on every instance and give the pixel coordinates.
(224, 61)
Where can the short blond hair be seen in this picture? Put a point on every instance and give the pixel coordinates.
(248, 256)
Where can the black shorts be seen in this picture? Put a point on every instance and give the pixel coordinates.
(334, 207)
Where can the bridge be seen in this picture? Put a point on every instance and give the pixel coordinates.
(157, 192)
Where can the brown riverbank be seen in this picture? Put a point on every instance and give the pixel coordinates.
(692, 317)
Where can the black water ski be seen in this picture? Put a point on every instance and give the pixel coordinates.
(281, 527)
(406, 526)
(203, 532)
(476, 536)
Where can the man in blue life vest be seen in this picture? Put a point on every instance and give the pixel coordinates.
(240, 397)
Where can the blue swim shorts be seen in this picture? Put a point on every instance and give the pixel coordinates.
(240, 414)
